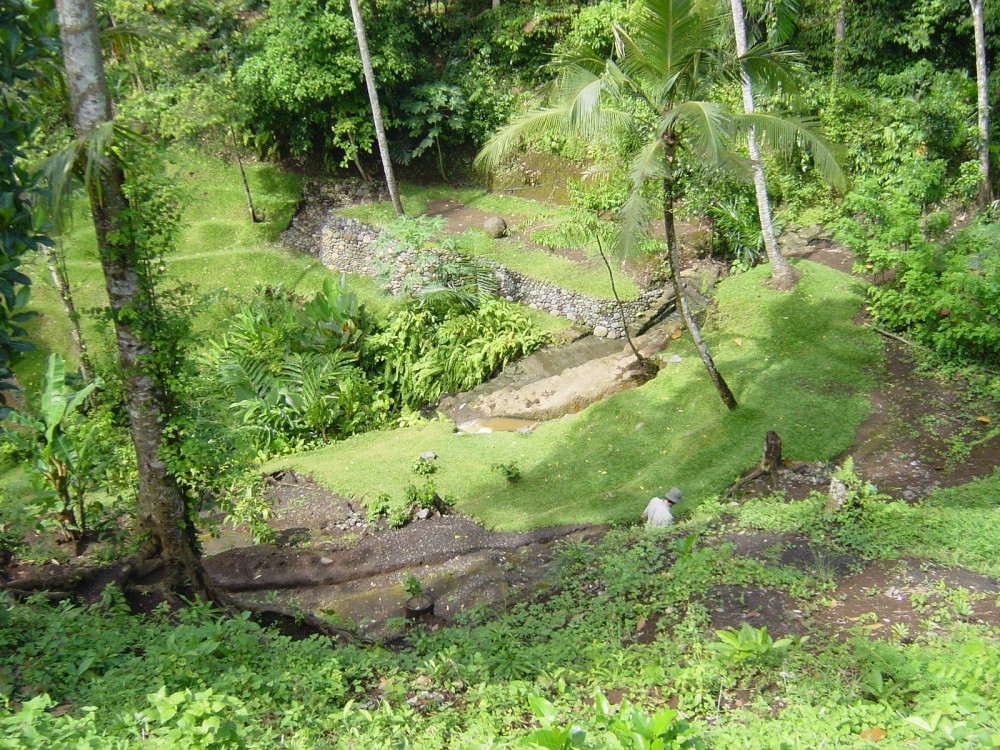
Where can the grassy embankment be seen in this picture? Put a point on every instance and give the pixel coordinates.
(218, 249)
(796, 362)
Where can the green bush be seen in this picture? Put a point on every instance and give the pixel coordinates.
(941, 290)
(428, 349)
(290, 369)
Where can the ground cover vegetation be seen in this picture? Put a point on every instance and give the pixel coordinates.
(622, 647)
(261, 353)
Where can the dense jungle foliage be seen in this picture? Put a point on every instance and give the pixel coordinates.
(262, 354)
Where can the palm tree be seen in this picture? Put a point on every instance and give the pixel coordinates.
(383, 143)
(651, 97)
(783, 276)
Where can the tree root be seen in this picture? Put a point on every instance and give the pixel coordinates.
(294, 620)
(52, 597)
(71, 580)
(174, 585)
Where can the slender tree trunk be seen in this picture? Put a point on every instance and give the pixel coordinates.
(839, 37)
(55, 260)
(383, 144)
(161, 507)
(673, 256)
(618, 300)
(243, 176)
(986, 187)
(783, 275)
(356, 153)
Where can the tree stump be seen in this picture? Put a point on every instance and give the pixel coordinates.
(769, 463)
(772, 453)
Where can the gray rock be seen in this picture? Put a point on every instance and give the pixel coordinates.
(600, 331)
(423, 514)
(428, 455)
(495, 226)
(837, 497)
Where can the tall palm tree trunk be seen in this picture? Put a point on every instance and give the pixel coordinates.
(161, 507)
(782, 274)
(982, 96)
(383, 143)
(673, 256)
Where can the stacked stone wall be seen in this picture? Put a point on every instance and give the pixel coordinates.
(354, 247)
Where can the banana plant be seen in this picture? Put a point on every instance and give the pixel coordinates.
(55, 457)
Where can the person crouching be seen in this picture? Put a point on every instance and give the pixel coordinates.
(657, 513)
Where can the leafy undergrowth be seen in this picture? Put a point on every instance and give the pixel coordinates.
(797, 364)
(957, 526)
(621, 648)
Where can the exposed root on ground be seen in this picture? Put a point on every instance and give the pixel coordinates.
(141, 577)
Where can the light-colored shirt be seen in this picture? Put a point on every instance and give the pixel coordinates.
(658, 513)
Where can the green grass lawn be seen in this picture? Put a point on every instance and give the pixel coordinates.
(218, 249)
(796, 362)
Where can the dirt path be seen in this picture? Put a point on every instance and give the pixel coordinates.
(327, 558)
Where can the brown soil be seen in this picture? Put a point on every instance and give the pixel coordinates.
(327, 558)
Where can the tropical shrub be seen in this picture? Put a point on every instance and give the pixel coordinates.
(290, 369)
(301, 83)
(430, 347)
(941, 289)
(60, 457)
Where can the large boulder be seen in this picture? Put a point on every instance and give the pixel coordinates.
(495, 226)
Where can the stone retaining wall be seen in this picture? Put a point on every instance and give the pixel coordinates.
(351, 246)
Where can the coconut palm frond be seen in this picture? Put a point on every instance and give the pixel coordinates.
(505, 141)
(631, 223)
(706, 128)
(80, 160)
(782, 133)
(770, 69)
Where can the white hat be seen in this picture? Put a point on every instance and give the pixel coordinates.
(673, 496)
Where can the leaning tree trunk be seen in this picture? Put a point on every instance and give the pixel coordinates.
(56, 261)
(640, 360)
(985, 187)
(251, 211)
(161, 507)
(782, 274)
(673, 256)
(383, 144)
